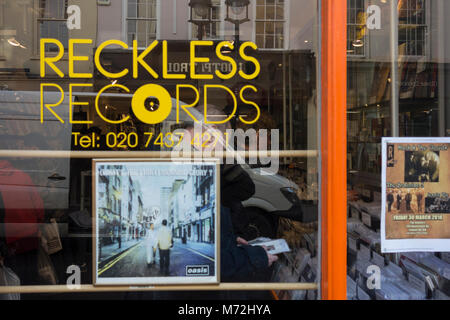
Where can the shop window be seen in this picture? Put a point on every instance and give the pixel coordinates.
(142, 21)
(52, 22)
(284, 91)
(214, 29)
(412, 28)
(356, 27)
(270, 23)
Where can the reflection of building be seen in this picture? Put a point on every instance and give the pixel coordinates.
(109, 204)
(183, 208)
(132, 206)
(120, 205)
(287, 58)
(192, 207)
(175, 206)
(287, 52)
(419, 88)
(20, 39)
(205, 201)
(271, 25)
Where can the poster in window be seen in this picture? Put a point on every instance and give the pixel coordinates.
(156, 222)
(415, 188)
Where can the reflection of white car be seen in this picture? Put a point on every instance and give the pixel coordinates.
(275, 196)
(20, 127)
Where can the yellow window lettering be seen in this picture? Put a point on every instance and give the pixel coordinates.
(166, 74)
(258, 111)
(73, 58)
(98, 64)
(206, 104)
(195, 59)
(50, 61)
(50, 106)
(245, 57)
(226, 59)
(138, 59)
(185, 107)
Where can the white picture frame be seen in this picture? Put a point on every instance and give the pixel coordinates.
(131, 194)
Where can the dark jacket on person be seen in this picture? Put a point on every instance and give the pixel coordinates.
(236, 186)
(238, 263)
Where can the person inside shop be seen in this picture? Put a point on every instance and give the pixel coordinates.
(21, 212)
(165, 243)
(151, 244)
(240, 220)
(239, 260)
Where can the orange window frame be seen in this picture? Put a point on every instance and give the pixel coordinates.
(333, 71)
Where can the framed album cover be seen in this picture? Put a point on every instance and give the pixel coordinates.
(156, 222)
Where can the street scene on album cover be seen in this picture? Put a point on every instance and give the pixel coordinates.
(155, 220)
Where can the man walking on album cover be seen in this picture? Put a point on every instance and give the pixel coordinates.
(165, 242)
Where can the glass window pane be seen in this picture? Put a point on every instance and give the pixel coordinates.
(280, 12)
(142, 10)
(270, 12)
(123, 206)
(260, 41)
(215, 13)
(279, 28)
(132, 9)
(260, 12)
(259, 27)
(141, 26)
(131, 26)
(54, 30)
(270, 42)
(151, 30)
(279, 41)
(270, 27)
(421, 113)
